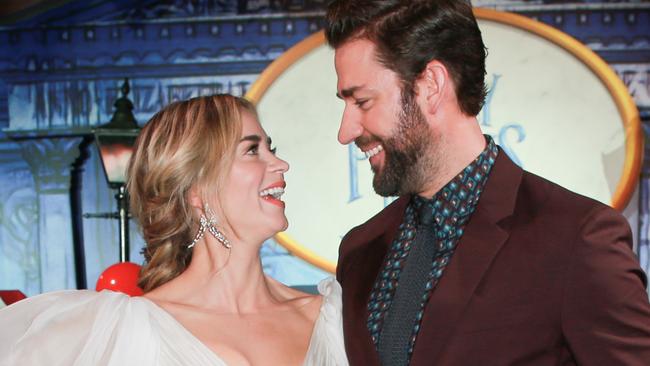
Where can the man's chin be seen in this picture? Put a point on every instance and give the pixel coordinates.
(382, 188)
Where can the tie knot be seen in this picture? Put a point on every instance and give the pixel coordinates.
(425, 215)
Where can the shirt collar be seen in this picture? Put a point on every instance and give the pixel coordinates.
(461, 194)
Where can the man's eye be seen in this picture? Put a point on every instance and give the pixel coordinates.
(361, 103)
(273, 150)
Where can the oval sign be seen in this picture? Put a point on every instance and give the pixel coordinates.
(556, 108)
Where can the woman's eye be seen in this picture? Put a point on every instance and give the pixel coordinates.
(253, 150)
(273, 150)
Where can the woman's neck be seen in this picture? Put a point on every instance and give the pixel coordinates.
(223, 280)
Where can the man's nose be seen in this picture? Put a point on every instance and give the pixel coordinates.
(350, 127)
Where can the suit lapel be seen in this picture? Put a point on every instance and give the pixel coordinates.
(368, 248)
(484, 235)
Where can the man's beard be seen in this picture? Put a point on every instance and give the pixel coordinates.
(408, 163)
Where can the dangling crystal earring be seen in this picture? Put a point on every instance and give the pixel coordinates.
(199, 235)
(204, 223)
(213, 229)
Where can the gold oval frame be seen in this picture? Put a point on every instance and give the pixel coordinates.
(624, 103)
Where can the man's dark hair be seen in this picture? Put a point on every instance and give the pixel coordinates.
(409, 34)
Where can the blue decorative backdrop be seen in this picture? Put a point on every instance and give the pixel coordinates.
(60, 73)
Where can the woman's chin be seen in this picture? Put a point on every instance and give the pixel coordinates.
(275, 228)
(285, 227)
(282, 226)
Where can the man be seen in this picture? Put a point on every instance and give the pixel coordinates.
(478, 262)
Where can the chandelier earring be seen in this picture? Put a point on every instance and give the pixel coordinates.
(212, 228)
(210, 225)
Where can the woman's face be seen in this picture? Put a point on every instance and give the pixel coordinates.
(251, 196)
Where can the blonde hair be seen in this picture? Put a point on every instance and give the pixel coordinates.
(187, 145)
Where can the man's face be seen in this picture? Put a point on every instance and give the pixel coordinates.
(385, 123)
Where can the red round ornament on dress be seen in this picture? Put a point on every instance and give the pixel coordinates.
(120, 277)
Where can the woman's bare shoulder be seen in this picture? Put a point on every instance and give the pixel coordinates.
(303, 302)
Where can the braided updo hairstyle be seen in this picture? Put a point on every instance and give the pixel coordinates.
(187, 145)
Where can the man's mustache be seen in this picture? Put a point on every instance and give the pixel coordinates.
(362, 141)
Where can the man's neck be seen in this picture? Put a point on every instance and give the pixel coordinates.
(461, 146)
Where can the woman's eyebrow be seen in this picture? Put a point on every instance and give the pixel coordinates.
(254, 138)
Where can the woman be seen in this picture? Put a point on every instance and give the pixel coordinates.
(206, 187)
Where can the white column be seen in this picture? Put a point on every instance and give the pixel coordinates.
(50, 161)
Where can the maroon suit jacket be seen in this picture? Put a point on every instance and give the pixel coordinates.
(541, 276)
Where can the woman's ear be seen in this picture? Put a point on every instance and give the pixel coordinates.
(195, 198)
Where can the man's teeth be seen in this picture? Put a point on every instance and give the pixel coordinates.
(275, 192)
(374, 151)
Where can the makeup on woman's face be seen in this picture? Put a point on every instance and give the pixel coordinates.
(255, 185)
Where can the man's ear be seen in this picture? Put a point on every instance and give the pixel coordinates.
(431, 86)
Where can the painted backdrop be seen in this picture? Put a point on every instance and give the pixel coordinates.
(60, 72)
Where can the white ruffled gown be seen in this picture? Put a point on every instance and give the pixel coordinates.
(110, 328)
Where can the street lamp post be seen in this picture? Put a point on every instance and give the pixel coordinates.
(115, 141)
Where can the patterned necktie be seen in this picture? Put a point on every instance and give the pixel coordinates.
(397, 330)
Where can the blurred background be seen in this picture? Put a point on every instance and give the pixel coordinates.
(62, 68)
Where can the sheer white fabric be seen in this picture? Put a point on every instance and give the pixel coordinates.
(326, 346)
(109, 328)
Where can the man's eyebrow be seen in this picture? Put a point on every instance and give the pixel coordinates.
(254, 138)
(346, 93)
